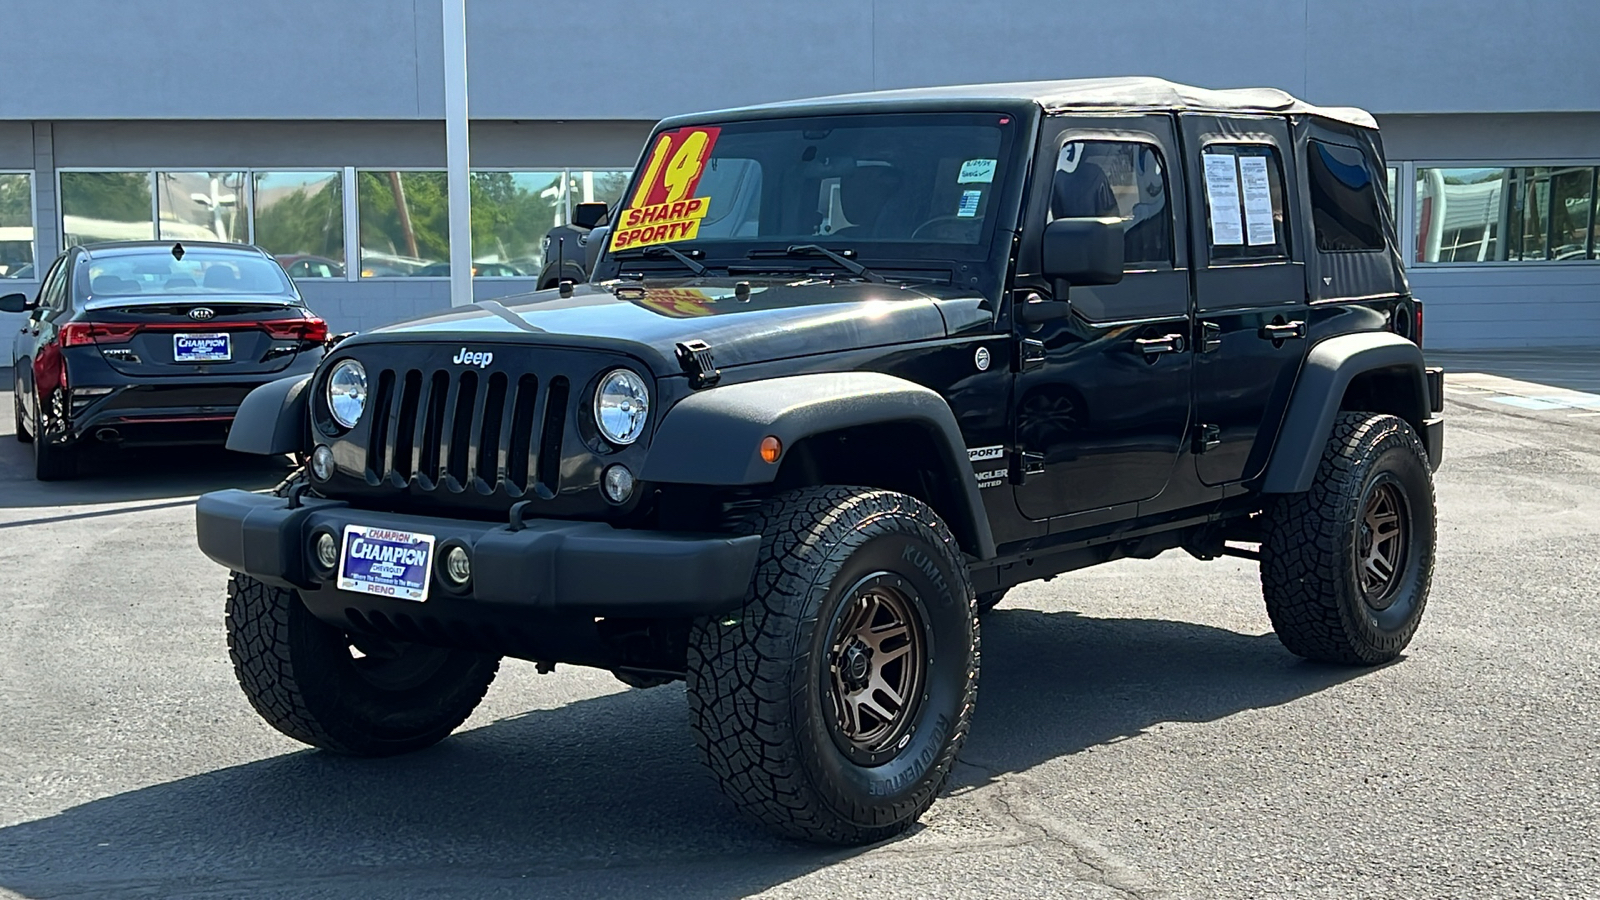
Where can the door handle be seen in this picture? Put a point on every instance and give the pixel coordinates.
(1167, 343)
(1279, 331)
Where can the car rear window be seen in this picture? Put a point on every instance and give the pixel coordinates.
(198, 272)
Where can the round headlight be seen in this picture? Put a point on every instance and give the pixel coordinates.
(621, 406)
(347, 392)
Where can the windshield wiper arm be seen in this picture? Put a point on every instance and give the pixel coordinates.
(688, 261)
(844, 262)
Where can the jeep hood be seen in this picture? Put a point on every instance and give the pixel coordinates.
(780, 319)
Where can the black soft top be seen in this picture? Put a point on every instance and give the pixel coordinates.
(1123, 93)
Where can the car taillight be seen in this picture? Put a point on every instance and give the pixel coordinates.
(1416, 333)
(77, 334)
(313, 330)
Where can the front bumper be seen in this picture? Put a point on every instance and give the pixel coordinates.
(547, 567)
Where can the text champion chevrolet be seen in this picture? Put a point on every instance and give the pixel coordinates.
(847, 370)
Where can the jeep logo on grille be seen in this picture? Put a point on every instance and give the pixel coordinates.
(465, 357)
(202, 312)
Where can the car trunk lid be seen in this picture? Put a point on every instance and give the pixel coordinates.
(199, 336)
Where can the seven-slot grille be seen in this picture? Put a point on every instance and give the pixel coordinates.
(467, 430)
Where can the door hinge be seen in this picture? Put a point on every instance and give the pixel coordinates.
(1210, 337)
(1206, 437)
(1032, 355)
(1024, 464)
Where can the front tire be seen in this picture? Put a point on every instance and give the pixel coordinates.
(309, 680)
(1346, 566)
(832, 705)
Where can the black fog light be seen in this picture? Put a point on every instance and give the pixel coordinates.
(322, 463)
(327, 549)
(617, 482)
(457, 566)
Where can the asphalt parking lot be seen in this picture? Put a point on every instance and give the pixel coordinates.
(1140, 732)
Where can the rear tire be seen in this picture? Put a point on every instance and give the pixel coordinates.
(832, 705)
(305, 678)
(1346, 566)
(52, 462)
(23, 434)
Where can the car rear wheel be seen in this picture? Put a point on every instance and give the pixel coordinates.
(23, 434)
(832, 705)
(1346, 566)
(52, 461)
(347, 694)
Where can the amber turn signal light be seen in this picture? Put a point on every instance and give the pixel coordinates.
(771, 447)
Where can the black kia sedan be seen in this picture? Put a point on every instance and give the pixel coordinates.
(152, 343)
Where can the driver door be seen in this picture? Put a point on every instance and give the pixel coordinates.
(1103, 395)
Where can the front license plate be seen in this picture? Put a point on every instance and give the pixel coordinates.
(201, 348)
(385, 562)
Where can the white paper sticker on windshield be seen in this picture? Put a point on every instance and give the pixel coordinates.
(1222, 195)
(969, 204)
(976, 171)
(1259, 228)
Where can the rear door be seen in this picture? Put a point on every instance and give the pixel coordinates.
(38, 350)
(1103, 395)
(1250, 288)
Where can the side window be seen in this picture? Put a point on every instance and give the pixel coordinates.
(52, 294)
(1095, 179)
(1344, 199)
(1244, 202)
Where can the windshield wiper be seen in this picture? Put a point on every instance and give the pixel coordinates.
(844, 262)
(688, 261)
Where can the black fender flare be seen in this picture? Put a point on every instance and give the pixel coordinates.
(273, 419)
(714, 437)
(1329, 368)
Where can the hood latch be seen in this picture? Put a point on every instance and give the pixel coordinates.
(695, 358)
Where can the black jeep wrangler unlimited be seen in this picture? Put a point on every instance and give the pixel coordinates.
(847, 370)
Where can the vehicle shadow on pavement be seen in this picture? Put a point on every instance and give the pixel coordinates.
(121, 475)
(604, 796)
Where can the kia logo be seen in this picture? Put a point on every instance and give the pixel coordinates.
(201, 312)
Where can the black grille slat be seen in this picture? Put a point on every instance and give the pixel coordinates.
(551, 435)
(382, 439)
(458, 413)
(520, 445)
(430, 428)
(402, 429)
(484, 458)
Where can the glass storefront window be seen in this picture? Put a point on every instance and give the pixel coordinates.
(511, 213)
(299, 218)
(106, 206)
(1521, 214)
(201, 206)
(405, 224)
(16, 226)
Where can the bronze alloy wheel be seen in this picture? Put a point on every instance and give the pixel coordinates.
(1382, 538)
(877, 665)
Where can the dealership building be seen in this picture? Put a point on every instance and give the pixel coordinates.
(315, 129)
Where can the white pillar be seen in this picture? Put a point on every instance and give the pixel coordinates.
(455, 150)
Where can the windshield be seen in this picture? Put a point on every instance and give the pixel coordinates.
(886, 186)
(200, 271)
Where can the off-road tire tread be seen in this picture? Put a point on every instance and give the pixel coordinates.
(738, 690)
(258, 643)
(1303, 558)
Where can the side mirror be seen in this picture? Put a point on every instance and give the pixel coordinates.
(590, 215)
(15, 303)
(1083, 251)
